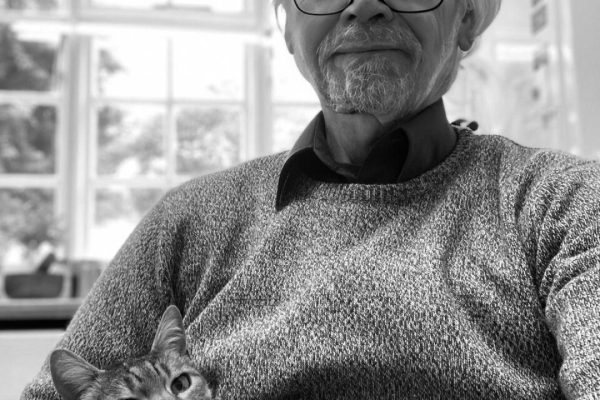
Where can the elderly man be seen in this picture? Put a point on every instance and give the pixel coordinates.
(388, 255)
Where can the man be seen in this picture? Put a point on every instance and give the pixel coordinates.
(373, 67)
(388, 255)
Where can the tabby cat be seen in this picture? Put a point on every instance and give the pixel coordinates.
(166, 373)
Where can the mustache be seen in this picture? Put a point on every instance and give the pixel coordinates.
(366, 34)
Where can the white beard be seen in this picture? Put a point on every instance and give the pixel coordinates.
(371, 85)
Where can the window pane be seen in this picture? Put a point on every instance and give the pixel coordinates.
(198, 73)
(131, 141)
(289, 123)
(130, 67)
(117, 211)
(288, 83)
(217, 6)
(28, 59)
(27, 138)
(207, 139)
(37, 5)
(27, 222)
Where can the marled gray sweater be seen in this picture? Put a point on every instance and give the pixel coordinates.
(479, 279)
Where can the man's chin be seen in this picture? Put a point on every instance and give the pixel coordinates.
(358, 109)
(343, 108)
(382, 98)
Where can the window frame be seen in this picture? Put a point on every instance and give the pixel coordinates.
(75, 181)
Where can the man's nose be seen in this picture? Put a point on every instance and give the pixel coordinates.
(367, 10)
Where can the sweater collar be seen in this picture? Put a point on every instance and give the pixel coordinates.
(420, 144)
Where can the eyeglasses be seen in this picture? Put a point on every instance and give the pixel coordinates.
(329, 7)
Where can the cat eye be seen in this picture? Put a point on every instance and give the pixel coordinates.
(180, 384)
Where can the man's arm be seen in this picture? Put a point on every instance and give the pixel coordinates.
(118, 318)
(562, 221)
(573, 314)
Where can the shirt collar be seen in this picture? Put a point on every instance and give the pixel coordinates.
(429, 140)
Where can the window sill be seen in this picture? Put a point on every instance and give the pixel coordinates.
(38, 309)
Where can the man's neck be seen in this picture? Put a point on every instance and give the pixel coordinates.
(350, 137)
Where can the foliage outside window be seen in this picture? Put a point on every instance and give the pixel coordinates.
(38, 5)
(189, 122)
(28, 134)
(159, 110)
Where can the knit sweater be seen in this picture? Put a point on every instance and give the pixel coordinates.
(479, 279)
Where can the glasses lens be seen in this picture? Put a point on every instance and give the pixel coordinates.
(322, 6)
(335, 6)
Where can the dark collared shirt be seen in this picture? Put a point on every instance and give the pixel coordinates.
(404, 152)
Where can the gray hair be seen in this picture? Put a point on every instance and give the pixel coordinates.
(485, 12)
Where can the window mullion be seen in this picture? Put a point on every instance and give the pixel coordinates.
(74, 7)
(77, 145)
(258, 101)
(28, 181)
(170, 136)
(50, 98)
(258, 87)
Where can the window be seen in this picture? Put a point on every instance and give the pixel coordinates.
(214, 6)
(294, 100)
(31, 130)
(105, 105)
(27, 6)
(149, 137)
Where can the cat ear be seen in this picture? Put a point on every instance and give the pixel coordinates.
(71, 374)
(170, 335)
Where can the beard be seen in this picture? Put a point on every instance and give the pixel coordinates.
(367, 84)
(372, 86)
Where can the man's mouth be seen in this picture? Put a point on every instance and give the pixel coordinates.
(374, 48)
(366, 49)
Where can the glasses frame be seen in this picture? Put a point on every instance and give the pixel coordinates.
(382, 1)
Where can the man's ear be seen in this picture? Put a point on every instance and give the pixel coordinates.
(283, 27)
(466, 32)
(288, 43)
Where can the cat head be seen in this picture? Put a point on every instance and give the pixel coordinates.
(166, 372)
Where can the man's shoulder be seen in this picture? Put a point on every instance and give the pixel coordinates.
(512, 152)
(236, 185)
(255, 171)
(517, 161)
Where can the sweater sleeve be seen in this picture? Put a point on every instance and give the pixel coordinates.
(563, 223)
(118, 318)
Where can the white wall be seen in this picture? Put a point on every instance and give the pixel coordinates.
(585, 15)
(21, 356)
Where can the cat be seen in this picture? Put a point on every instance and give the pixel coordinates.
(166, 373)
